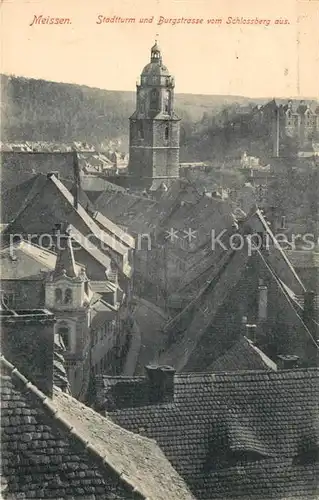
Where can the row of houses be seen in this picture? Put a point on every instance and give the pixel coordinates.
(195, 366)
(184, 436)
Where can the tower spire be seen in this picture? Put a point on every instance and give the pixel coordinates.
(156, 56)
(65, 262)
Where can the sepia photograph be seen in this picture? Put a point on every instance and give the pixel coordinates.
(159, 223)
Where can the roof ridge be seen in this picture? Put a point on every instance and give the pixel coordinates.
(46, 402)
(288, 298)
(278, 247)
(244, 373)
(220, 374)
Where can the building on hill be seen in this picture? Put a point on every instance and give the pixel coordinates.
(154, 127)
(239, 435)
(53, 446)
(289, 120)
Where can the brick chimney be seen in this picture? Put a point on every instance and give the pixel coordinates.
(161, 383)
(262, 302)
(287, 361)
(251, 332)
(27, 339)
(56, 173)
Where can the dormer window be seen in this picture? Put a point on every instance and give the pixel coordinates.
(308, 452)
(68, 296)
(310, 456)
(58, 296)
(233, 445)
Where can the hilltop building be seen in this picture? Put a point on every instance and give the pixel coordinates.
(289, 120)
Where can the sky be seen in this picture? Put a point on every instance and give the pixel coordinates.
(253, 60)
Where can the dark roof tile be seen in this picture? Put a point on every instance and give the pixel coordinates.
(236, 435)
(68, 450)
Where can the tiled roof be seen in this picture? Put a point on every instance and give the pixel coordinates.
(97, 183)
(103, 286)
(55, 204)
(112, 228)
(193, 343)
(19, 166)
(82, 196)
(101, 312)
(27, 260)
(89, 222)
(248, 435)
(149, 321)
(303, 258)
(12, 198)
(87, 245)
(126, 209)
(58, 448)
(243, 355)
(277, 257)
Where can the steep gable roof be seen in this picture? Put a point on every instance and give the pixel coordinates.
(126, 209)
(112, 228)
(25, 260)
(55, 204)
(87, 245)
(243, 355)
(277, 257)
(65, 260)
(236, 435)
(186, 332)
(59, 448)
(13, 199)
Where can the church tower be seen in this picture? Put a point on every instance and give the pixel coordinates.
(154, 127)
(68, 295)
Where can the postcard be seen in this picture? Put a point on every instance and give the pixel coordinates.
(159, 249)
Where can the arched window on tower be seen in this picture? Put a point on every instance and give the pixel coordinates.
(166, 132)
(58, 295)
(154, 100)
(167, 102)
(64, 332)
(140, 130)
(68, 296)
